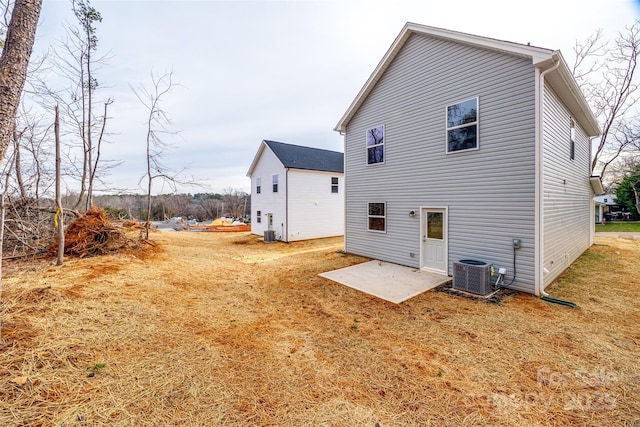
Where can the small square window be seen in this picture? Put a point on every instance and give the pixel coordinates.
(258, 185)
(334, 184)
(275, 183)
(375, 145)
(462, 126)
(377, 217)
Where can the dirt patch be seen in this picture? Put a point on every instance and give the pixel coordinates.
(222, 329)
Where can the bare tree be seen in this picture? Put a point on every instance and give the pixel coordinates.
(159, 127)
(606, 72)
(13, 64)
(235, 202)
(76, 60)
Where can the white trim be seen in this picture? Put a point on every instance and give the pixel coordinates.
(596, 185)
(254, 163)
(536, 54)
(336, 185)
(541, 57)
(447, 128)
(383, 144)
(445, 224)
(539, 180)
(537, 252)
(385, 216)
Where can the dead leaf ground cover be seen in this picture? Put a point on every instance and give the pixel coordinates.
(221, 329)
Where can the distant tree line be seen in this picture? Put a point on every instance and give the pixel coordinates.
(199, 206)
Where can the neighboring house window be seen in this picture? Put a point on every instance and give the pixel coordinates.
(258, 216)
(377, 217)
(375, 145)
(275, 183)
(606, 200)
(572, 143)
(334, 184)
(258, 185)
(462, 126)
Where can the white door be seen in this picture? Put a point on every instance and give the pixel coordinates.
(434, 239)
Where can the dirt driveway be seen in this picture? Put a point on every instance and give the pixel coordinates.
(221, 329)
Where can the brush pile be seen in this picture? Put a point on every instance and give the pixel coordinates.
(92, 234)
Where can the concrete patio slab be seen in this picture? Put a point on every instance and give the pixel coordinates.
(390, 282)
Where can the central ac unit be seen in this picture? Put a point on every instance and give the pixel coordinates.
(269, 235)
(472, 276)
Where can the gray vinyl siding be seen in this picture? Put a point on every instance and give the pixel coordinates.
(489, 193)
(567, 191)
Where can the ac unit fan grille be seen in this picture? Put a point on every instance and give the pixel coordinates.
(472, 277)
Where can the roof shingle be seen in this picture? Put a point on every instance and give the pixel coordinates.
(299, 157)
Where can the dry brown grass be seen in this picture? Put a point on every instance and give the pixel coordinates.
(220, 329)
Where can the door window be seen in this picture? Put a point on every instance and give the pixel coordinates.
(435, 228)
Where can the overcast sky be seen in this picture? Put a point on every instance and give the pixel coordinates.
(279, 70)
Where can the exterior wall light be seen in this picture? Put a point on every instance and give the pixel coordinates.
(412, 214)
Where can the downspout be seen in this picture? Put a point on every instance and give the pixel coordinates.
(539, 202)
(286, 205)
(343, 133)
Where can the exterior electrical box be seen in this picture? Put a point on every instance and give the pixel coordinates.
(472, 276)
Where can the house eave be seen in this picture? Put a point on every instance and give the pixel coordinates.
(596, 185)
(536, 54)
(560, 79)
(563, 83)
(262, 147)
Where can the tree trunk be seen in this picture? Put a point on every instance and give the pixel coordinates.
(59, 211)
(13, 64)
(18, 163)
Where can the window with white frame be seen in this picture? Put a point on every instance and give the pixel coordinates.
(258, 185)
(462, 126)
(334, 184)
(258, 216)
(375, 145)
(275, 183)
(572, 141)
(377, 216)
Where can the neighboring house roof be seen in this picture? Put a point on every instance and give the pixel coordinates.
(299, 157)
(560, 79)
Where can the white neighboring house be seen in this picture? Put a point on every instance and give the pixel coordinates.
(603, 205)
(297, 192)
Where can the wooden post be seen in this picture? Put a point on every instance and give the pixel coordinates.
(59, 211)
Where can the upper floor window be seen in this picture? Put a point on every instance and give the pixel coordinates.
(377, 216)
(334, 184)
(375, 145)
(258, 185)
(572, 141)
(275, 183)
(462, 126)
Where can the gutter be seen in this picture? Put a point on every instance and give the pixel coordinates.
(539, 180)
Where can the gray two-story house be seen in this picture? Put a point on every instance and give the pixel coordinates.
(467, 147)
